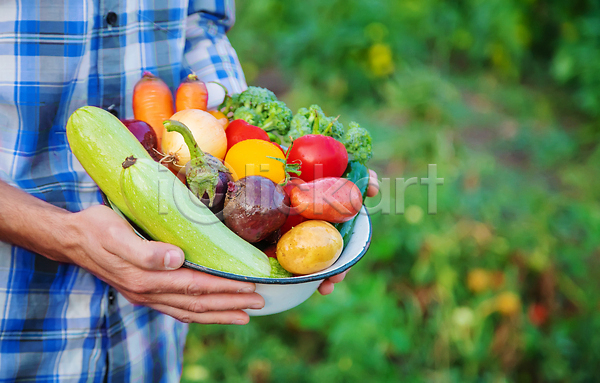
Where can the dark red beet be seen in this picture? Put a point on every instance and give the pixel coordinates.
(145, 135)
(255, 207)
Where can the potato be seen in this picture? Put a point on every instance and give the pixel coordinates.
(310, 247)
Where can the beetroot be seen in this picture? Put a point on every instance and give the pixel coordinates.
(255, 207)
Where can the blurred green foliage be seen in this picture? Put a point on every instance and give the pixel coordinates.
(502, 283)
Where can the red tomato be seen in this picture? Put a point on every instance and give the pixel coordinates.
(270, 251)
(293, 219)
(330, 199)
(240, 130)
(319, 156)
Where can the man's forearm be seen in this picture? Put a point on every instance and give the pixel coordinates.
(33, 224)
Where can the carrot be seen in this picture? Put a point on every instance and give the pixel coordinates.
(191, 94)
(152, 102)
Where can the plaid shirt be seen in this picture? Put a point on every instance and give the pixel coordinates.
(58, 322)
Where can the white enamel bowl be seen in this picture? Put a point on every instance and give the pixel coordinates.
(281, 294)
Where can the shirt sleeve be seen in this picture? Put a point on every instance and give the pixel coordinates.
(208, 52)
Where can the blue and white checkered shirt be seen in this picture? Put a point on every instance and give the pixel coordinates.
(58, 322)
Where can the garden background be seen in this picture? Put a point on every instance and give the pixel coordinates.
(502, 284)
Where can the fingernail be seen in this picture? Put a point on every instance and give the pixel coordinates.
(257, 305)
(239, 321)
(249, 289)
(173, 259)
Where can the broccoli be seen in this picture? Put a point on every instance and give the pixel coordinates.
(300, 126)
(358, 143)
(259, 107)
(249, 115)
(276, 117)
(314, 121)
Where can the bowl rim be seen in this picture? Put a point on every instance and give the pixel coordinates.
(265, 280)
(291, 280)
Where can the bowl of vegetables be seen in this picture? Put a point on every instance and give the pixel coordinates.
(282, 294)
(254, 194)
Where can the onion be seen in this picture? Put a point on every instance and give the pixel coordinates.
(207, 131)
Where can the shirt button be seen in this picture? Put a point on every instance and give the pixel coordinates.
(111, 18)
(111, 297)
(112, 109)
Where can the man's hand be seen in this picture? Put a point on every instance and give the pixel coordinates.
(145, 272)
(148, 273)
(327, 286)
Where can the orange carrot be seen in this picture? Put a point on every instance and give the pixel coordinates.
(152, 102)
(191, 94)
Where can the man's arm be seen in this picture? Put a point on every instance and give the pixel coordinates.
(145, 272)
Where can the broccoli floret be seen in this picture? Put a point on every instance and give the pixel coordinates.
(230, 103)
(330, 126)
(259, 107)
(247, 114)
(276, 117)
(254, 97)
(358, 143)
(277, 271)
(312, 120)
(300, 125)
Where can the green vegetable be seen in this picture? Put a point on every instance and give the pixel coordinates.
(358, 143)
(100, 142)
(314, 121)
(359, 174)
(202, 171)
(277, 271)
(249, 115)
(259, 107)
(357, 140)
(152, 197)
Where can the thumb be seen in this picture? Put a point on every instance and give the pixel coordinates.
(151, 255)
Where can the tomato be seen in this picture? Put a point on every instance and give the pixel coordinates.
(330, 199)
(251, 158)
(240, 130)
(319, 156)
(293, 219)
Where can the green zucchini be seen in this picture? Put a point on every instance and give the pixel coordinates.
(152, 197)
(359, 174)
(101, 142)
(171, 213)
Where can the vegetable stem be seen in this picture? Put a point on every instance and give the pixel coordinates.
(188, 137)
(129, 161)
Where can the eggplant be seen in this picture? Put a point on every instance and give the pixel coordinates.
(255, 207)
(203, 171)
(219, 197)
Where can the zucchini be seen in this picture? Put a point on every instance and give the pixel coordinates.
(359, 174)
(171, 213)
(153, 198)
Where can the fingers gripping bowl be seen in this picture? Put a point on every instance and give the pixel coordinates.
(281, 294)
